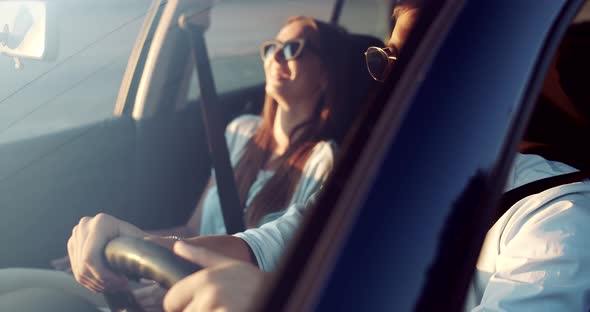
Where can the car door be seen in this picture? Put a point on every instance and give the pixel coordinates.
(63, 153)
(404, 231)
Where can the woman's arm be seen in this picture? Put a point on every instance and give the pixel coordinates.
(269, 241)
(226, 245)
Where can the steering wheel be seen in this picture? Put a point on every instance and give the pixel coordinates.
(138, 258)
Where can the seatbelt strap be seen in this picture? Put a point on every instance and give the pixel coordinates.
(511, 197)
(233, 215)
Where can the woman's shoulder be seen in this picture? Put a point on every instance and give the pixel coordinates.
(238, 132)
(322, 157)
(245, 125)
(324, 150)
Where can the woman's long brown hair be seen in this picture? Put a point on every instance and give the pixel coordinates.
(278, 191)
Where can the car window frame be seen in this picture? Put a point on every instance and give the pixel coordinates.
(137, 60)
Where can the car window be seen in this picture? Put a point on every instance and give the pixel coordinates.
(81, 85)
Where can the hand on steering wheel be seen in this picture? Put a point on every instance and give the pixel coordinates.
(225, 284)
(139, 258)
(85, 250)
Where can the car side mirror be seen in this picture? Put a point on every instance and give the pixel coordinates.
(28, 30)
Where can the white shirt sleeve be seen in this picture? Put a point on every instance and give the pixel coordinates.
(543, 261)
(269, 241)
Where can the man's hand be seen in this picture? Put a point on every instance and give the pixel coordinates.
(223, 285)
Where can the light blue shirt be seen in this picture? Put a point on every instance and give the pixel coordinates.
(537, 255)
(276, 229)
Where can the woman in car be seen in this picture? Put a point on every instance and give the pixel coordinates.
(280, 159)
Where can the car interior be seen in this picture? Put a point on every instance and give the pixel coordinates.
(147, 160)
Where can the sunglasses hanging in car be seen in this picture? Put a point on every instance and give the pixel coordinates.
(379, 62)
(288, 50)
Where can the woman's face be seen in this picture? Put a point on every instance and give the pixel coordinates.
(294, 81)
